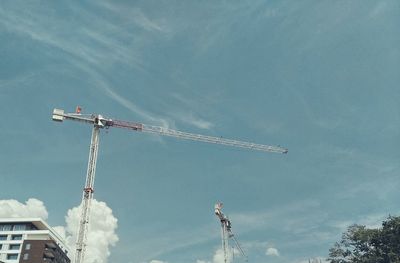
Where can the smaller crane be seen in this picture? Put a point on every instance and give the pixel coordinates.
(226, 234)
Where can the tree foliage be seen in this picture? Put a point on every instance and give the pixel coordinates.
(360, 244)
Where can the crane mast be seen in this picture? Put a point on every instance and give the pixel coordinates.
(226, 234)
(87, 196)
(99, 122)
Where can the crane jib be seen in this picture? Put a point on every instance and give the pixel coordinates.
(126, 124)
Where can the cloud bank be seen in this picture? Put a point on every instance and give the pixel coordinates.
(32, 208)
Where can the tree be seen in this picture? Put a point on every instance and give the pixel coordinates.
(362, 245)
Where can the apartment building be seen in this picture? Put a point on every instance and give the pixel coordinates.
(30, 240)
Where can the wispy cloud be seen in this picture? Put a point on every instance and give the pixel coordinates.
(35, 27)
(379, 9)
(270, 127)
(134, 108)
(369, 220)
(84, 39)
(19, 81)
(174, 241)
(260, 219)
(89, 47)
(100, 83)
(214, 28)
(189, 110)
(191, 119)
(136, 15)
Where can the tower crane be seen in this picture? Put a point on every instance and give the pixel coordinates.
(226, 234)
(99, 122)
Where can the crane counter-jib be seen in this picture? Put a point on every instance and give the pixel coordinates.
(59, 115)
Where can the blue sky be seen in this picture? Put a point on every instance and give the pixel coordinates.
(318, 77)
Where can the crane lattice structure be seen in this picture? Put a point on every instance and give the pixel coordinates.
(226, 234)
(99, 122)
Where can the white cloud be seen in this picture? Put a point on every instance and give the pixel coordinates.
(101, 234)
(61, 232)
(271, 251)
(158, 261)
(218, 256)
(32, 208)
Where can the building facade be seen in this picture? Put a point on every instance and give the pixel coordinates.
(30, 240)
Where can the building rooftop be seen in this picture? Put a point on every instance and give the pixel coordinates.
(40, 224)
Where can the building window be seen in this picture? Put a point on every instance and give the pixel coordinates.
(5, 227)
(27, 246)
(26, 256)
(51, 245)
(14, 246)
(12, 256)
(31, 227)
(19, 227)
(1, 246)
(16, 237)
(3, 237)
